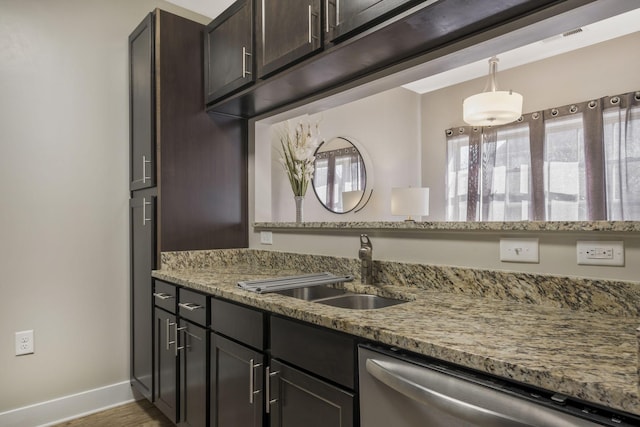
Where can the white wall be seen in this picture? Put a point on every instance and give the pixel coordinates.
(385, 126)
(64, 244)
(608, 68)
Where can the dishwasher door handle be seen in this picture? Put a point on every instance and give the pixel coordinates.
(384, 372)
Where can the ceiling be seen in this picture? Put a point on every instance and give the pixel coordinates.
(209, 8)
(598, 32)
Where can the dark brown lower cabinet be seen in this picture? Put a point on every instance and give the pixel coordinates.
(166, 363)
(298, 399)
(193, 374)
(143, 231)
(237, 378)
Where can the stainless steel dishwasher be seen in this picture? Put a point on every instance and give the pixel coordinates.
(399, 390)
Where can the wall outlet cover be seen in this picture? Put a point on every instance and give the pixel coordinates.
(24, 342)
(609, 253)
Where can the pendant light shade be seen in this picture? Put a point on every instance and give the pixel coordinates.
(492, 107)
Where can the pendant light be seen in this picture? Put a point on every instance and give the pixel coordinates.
(492, 107)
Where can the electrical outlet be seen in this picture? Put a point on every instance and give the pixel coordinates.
(519, 250)
(600, 253)
(266, 237)
(24, 342)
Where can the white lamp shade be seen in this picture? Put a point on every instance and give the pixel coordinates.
(411, 201)
(492, 108)
(350, 199)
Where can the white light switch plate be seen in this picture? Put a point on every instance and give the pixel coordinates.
(600, 253)
(266, 237)
(519, 250)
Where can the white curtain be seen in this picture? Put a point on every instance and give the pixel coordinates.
(572, 163)
(622, 155)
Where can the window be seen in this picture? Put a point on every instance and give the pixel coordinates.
(574, 163)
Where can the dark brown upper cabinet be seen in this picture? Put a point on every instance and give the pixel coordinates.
(342, 17)
(228, 51)
(288, 30)
(142, 104)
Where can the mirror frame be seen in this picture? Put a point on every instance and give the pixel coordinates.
(368, 179)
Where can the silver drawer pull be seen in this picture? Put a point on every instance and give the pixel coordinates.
(144, 170)
(191, 306)
(267, 389)
(163, 296)
(144, 211)
(252, 368)
(245, 72)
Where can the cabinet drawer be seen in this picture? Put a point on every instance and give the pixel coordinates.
(193, 306)
(240, 323)
(164, 295)
(324, 352)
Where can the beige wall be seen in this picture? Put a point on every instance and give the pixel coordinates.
(385, 127)
(64, 245)
(608, 68)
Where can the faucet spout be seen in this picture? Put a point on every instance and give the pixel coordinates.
(366, 260)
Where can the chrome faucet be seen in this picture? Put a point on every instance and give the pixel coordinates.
(366, 260)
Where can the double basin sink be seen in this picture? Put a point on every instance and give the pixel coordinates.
(341, 298)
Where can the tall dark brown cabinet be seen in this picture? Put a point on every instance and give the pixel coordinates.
(188, 169)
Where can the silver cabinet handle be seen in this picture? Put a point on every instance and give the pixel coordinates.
(311, 15)
(326, 16)
(176, 329)
(252, 368)
(144, 211)
(245, 73)
(385, 373)
(267, 389)
(169, 342)
(327, 25)
(163, 296)
(310, 26)
(144, 169)
(191, 306)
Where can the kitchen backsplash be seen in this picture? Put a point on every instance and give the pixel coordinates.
(618, 298)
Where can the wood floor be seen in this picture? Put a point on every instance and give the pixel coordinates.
(139, 413)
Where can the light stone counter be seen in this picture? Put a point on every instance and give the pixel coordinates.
(592, 356)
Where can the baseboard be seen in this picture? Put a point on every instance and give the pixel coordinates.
(68, 407)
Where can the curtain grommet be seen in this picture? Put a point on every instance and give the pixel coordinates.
(448, 132)
(535, 116)
(637, 96)
(555, 112)
(573, 109)
(615, 100)
(520, 119)
(461, 131)
(592, 104)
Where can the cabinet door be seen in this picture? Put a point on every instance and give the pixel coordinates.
(288, 30)
(344, 16)
(298, 399)
(193, 362)
(229, 51)
(166, 364)
(142, 105)
(142, 228)
(237, 376)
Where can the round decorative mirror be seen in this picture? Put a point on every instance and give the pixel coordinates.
(340, 176)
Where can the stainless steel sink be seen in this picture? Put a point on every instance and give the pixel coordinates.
(325, 294)
(360, 301)
(313, 292)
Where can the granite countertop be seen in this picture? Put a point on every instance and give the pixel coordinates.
(589, 356)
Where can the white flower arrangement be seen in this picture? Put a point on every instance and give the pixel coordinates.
(297, 150)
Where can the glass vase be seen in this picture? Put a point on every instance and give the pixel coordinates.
(299, 208)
